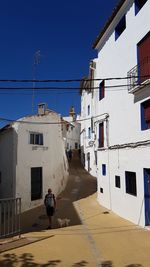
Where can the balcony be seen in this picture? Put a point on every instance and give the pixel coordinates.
(139, 76)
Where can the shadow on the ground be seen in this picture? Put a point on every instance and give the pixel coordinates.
(21, 242)
(27, 260)
(80, 185)
(110, 264)
(36, 220)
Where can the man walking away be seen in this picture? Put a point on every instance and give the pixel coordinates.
(50, 204)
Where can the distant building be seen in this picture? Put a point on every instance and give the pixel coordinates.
(87, 136)
(32, 158)
(115, 130)
(72, 134)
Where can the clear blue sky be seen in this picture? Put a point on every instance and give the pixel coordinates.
(64, 32)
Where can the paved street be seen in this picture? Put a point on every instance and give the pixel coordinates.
(94, 237)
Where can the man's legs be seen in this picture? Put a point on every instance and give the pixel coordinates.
(50, 222)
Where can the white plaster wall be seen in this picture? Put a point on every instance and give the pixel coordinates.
(117, 162)
(115, 59)
(73, 133)
(51, 157)
(86, 100)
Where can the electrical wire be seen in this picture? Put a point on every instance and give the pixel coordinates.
(60, 88)
(55, 122)
(76, 89)
(71, 80)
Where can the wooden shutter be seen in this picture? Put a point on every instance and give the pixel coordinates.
(144, 58)
(101, 90)
(147, 114)
(101, 134)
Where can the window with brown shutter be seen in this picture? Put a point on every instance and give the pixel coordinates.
(102, 90)
(147, 114)
(101, 134)
(144, 58)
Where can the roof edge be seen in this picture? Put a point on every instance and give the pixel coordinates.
(114, 13)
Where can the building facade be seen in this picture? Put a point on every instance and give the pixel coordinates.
(72, 133)
(120, 112)
(32, 158)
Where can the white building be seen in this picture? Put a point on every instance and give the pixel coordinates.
(120, 112)
(32, 158)
(73, 128)
(87, 137)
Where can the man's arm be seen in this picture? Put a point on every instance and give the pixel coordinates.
(45, 200)
(54, 201)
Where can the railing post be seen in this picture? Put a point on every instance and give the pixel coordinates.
(10, 213)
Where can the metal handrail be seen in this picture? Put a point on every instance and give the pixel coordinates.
(134, 77)
(10, 214)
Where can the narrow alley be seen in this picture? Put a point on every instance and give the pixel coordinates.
(94, 237)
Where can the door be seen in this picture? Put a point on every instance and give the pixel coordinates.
(36, 183)
(147, 195)
(88, 160)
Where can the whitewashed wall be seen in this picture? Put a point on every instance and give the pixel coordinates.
(86, 142)
(73, 133)
(115, 59)
(50, 156)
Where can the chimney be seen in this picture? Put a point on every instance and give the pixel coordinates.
(72, 113)
(42, 108)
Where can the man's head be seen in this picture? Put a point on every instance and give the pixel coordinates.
(49, 190)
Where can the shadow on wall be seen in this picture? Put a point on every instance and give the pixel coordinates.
(142, 94)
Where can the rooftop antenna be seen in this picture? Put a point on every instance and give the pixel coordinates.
(36, 61)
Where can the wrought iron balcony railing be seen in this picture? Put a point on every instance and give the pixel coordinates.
(139, 75)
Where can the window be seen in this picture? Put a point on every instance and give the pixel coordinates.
(117, 181)
(101, 190)
(101, 135)
(145, 115)
(95, 152)
(36, 138)
(120, 27)
(139, 4)
(88, 109)
(102, 90)
(92, 125)
(130, 180)
(89, 132)
(103, 169)
(36, 183)
(143, 52)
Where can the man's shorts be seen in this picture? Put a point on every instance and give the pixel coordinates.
(50, 211)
